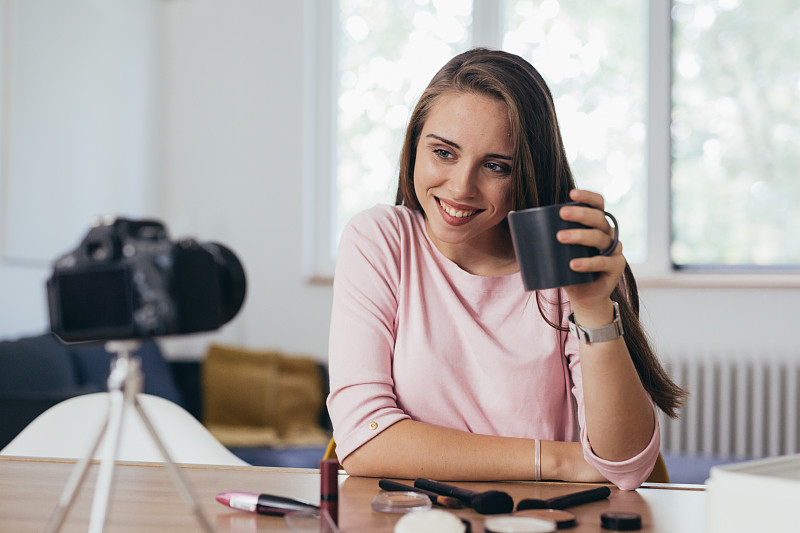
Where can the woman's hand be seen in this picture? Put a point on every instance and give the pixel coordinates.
(611, 384)
(588, 297)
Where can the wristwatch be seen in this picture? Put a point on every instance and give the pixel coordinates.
(609, 332)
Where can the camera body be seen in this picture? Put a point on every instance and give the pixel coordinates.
(128, 280)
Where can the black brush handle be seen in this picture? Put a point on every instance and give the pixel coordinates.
(489, 502)
(445, 490)
(437, 499)
(578, 498)
(388, 484)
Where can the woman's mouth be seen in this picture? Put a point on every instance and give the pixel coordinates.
(457, 212)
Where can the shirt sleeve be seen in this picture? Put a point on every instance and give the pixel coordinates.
(628, 474)
(362, 401)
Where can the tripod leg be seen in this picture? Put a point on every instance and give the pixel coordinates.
(124, 384)
(174, 472)
(105, 477)
(74, 483)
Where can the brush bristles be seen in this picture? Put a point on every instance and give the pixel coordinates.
(449, 502)
(492, 502)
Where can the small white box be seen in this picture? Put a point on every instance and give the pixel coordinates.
(754, 496)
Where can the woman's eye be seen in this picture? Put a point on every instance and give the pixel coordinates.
(497, 167)
(444, 154)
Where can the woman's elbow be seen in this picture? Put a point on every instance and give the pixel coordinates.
(628, 484)
(630, 480)
(360, 463)
(354, 467)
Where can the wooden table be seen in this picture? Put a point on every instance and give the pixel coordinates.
(144, 499)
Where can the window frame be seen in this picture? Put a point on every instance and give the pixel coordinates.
(320, 135)
(320, 51)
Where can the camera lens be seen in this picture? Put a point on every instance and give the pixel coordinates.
(232, 281)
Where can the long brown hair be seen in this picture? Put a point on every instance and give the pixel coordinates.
(540, 176)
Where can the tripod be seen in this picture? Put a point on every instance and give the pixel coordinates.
(124, 385)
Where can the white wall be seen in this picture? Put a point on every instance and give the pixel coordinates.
(721, 322)
(232, 154)
(78, 82)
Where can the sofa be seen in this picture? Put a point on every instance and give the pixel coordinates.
(37, 372)
(40, 371)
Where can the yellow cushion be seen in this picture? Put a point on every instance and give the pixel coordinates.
(262, 397)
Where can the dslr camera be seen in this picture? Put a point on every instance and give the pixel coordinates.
(128, 280)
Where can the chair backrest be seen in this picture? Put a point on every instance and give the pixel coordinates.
(659, 473)
(67, 429)
(330, 452)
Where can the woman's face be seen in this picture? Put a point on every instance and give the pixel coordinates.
(462, 175)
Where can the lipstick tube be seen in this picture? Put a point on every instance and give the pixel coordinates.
(329, 492)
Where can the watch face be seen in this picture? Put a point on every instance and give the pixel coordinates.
(573, 328)
(578, 331)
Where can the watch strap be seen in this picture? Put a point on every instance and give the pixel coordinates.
(609, 332)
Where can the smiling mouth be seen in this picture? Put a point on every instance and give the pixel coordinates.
(455, 212)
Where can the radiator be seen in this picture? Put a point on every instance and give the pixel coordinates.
(737, 408)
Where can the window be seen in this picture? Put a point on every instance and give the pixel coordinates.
(608, 66)
(736, 133)
(388, 52)
(593, 57)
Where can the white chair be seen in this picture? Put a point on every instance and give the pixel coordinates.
(67, 430)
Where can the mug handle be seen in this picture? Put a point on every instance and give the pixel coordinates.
(615, 242)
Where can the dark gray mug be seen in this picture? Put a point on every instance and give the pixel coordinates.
(543, 261)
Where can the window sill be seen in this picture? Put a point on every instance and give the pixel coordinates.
(681, 279)
(718, 280)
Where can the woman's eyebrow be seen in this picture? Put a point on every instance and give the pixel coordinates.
(457, 147)
(442, 139)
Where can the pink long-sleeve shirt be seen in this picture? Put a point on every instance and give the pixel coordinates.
(415, 336)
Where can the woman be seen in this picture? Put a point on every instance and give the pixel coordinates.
(441, 365)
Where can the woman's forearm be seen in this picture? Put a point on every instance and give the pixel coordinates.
(411, 449)
(619, 415)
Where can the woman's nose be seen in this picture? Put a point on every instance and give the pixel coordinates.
(462, 182)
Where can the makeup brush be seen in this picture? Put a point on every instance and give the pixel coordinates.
(489, 502)
(444, 501)
(567, 500)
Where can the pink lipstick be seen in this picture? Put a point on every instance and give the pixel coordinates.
(268, 504)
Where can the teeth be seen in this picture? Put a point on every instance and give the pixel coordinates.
(456, 212)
